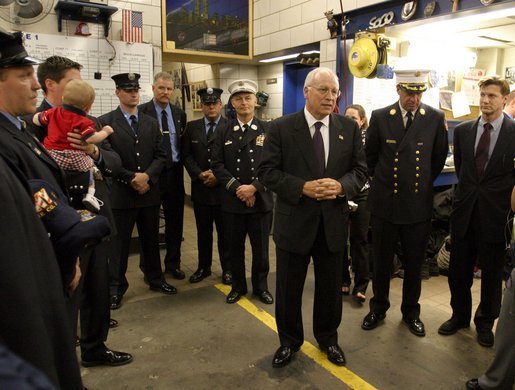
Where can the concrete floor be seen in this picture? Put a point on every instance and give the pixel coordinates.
(194, 340)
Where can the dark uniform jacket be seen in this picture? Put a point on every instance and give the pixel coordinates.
(30, 283)
(236, 156)
(138, 153)
(490, 193)
(196, 156)
(403, 165)
(289, 161)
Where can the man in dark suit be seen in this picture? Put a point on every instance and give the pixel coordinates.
(92, 297)
(484, 154)
(34, 323)
(406, 147)
(246, 203)
(313, 160)
(197, 143)
(135, 194)
(172, 121)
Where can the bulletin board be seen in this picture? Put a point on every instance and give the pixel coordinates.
(94, 55)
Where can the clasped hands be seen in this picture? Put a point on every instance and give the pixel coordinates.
(322, 189)
(140, 182)
(246, 193)
(208, 178)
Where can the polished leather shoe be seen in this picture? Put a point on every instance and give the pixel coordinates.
(371, 320)
(164, 288)
(485, 337)
(176, 273)
(116, 301)
(334, 354)
(106, 357)
(451, 326)
(233, 297)
(283, 356)
(473, 384)
(200, 275)
(227, 278)
(415, 326)
(265, 297)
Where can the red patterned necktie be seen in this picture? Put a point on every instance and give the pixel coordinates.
(482, 149)
(318, 144)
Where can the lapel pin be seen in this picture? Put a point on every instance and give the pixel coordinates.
(422, 111)
(253, 127)
(393, 111)
(236, 128)
(228, 142)
(341, 137)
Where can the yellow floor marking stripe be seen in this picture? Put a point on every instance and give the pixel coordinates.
(342, 373)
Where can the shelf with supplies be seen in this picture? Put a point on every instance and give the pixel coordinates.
(195, 99)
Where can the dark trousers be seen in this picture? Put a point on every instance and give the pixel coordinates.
(257, 226)
(413, 239)
(172, 200)
(147, 221)
(291, 275)
(205, 216)
(92, 298)
(464, 253)
(358, 238)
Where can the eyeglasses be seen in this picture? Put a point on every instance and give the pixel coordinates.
(324, 91)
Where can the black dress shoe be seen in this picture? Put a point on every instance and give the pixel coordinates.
(116, 301)
(200, 274)
(233, 297)
(164, 288)
(112, 323)
(451, 326)
(473, 384)
(371, 320)
(176, 273)
(415, 326)
(485, 337)
(283, 356)
(106, 357)
(265, 297)
(334, 354)
(227, 278)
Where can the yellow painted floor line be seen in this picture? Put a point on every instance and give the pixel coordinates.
(342, 373)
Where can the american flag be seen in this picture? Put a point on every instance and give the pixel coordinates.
(132, 26)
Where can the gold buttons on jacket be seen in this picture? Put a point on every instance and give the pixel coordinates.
(395, 191)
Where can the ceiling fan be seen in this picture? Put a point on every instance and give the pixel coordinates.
(24, 11)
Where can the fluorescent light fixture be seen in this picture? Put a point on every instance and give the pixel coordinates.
(288, 56)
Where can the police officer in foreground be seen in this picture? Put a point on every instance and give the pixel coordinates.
(135, 194)
(406, 147)
(246, 203)
(197, 143)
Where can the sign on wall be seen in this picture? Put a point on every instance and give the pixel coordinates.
(94, 55)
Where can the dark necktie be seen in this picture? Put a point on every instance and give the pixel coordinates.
(245, 128)
(164, 121)
(318, 144)
(409, 115)
(134, 123)
(482, 149)
(210, 130)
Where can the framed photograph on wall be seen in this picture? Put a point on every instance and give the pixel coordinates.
(195, 99)
(208, 28)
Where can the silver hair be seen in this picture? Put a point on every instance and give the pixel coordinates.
(312, 75)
